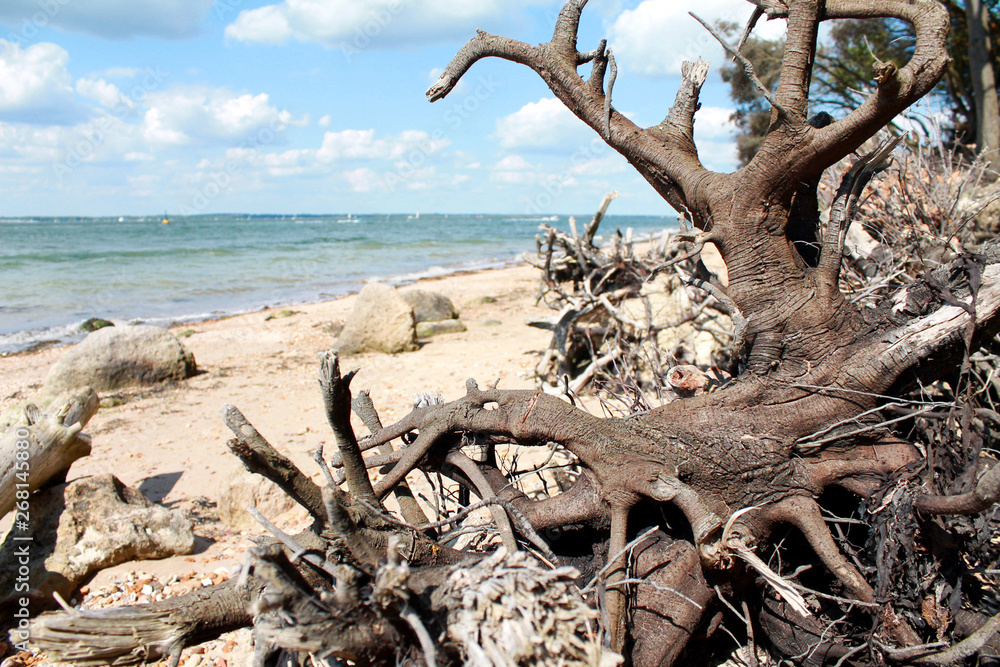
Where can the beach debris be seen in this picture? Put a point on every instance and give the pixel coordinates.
(117, 357)
(509, 610)
(39, 444)
(85, 526)
(429, 306)
(382, 321)
(628, 311)
(429, 329)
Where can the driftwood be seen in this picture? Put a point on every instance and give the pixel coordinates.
(825, 505)
(42, 445)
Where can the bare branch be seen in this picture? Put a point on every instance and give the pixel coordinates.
(260, 457)
(686, 103)
(898, 88)
(567, 26)
(337, 399)
(483, 45)
(845, 204)
(747, 67)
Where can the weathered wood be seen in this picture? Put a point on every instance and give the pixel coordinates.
(145, 633)
(43, 445)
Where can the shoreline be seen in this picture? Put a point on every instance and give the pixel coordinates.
(400, 281)
(169, 441)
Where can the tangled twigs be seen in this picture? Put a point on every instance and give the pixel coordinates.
(626, 310)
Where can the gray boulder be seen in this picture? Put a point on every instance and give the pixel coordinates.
(430, 306)
(85, 526)
(382, 321)
(116, 357)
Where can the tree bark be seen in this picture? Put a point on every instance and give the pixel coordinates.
(981, 46)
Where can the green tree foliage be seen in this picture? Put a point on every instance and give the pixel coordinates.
(842, 74)
(753, 113)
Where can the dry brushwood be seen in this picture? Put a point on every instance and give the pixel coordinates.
(717, 521)
(637, 310)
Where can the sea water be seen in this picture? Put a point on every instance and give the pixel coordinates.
(57, 272)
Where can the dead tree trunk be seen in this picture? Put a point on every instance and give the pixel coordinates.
(44, 445)
(721, 475)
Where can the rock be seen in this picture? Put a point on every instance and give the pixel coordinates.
(243, 489)
(428, 329)
(117, 357)
(82, 527)
(430, 306)
(95, 323)
(282, 314)
(382, 321)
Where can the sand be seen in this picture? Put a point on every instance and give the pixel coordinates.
(171, 443)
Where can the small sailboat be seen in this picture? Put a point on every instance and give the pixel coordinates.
(350, 219)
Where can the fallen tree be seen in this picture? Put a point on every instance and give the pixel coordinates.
(674, 518)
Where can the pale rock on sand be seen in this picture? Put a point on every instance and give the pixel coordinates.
(115, 357)
(428, 329)
(242, 490)
(382, 321)
(430, 306)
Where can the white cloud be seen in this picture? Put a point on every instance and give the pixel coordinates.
(266, 25)
(325, 121)
(120, 72)
(658, 35)
(104, 93)
(411, 145)
(600, 166)
(514, 170)
(111, 19)
(541, 124)
(362, 179)
(204, 115)
(513, 163)
(355, 25)
(35, 86)
(712, 123)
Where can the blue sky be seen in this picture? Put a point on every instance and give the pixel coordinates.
(135, 107)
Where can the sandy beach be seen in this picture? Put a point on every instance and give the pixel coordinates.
(171, 442)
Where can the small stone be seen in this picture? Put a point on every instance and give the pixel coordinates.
(206, 582)
(428, 329)
(147, 590)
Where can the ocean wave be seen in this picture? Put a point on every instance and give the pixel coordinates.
(20, 341)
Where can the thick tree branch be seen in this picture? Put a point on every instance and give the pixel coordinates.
(897, 89)
(796, 65)
(483, 45)
(567, 27)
